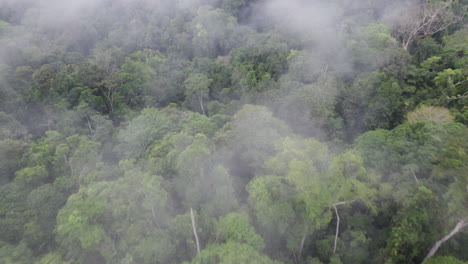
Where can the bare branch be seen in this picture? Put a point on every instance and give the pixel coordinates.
(337, 228)
(301, 246)
(458, 228)
(414, 175)
(424, 20)
(338, 222)
(195, 230)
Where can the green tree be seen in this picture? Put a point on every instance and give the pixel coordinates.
(20, 254)
(131, 208)
(233, 7)
(200, 181)
(230, 253)
(236, 227)
(412, 230)
(271, 203)
(43, 79)
(251, 135)
(13, 212)
(11, 128)
(142, 131)
(44, 203)
(196, 88)
(10, 158)
(373, 101)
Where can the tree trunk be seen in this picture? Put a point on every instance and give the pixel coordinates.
(195, 230)
(326, 71)
(407, 42)
(89, 126)
(301, 247)
(338, 222)
(458, 228)
(414, 175)
(337, 225)
(200, 98)
(154, 217)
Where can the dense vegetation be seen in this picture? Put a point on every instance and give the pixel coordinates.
(233, 131)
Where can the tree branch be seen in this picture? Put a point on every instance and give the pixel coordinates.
(195, 230)
(458, 228)
(154, 217)
(338, 222)
(301, 246)
(414, 175)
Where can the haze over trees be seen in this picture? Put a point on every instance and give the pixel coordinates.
(233, 131)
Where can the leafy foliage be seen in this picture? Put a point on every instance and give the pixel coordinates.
(136, 132)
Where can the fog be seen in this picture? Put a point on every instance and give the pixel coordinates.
(224, 131)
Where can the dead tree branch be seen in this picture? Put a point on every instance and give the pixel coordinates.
(458, 228)
(195, 230)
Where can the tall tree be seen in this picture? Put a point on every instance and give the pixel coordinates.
(424, 19)
(196, 87)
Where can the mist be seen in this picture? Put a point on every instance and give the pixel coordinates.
(232, 131)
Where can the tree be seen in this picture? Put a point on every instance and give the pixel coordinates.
(251, 134)
(13, 212)
(195, 123)
(134, 80)
(44, 203)
(236, 227)
(271, 203)
(231, 253)
(43, 79)
(373, 101)
(258, 64)
(351, 182)
(430, 113)
(143, 131)
(32, 176)
(233, 7)
(452, 84)
(214, 32)
(201, 182)
(125, 218)
(11, 128)
(424, 20)
(9, 254)
(77, 224)
(301, 185)
(412, 228)
(307, 108)
(373, 47)
(457, 229)
(10, 158)
(85, 157)
(450, 168)
(443, 260)
(196, 87)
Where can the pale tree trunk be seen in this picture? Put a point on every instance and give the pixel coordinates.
(301, 246)
(110, 97)
(414, 175)
(407, 42)
(195, 230)
(67, 162)
(458, 228)
(200, 99)
(89, 126)
(109, 94)
(154, 217)
(338, 223)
